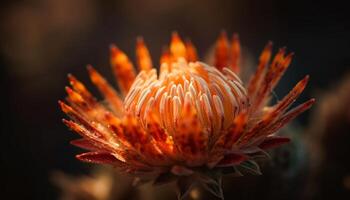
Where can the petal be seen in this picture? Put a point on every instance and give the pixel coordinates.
(85, 144)
(98, 157)
(274, 141)
(232, 159)
(221, 51)
(144, 60)
(123, 69)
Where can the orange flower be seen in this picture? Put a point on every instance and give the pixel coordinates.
(190, 119)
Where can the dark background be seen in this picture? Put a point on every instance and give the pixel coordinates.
(42, 41)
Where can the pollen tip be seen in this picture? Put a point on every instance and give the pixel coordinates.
(114, 50)
(139, 40)
(308, 103)
(113, 46)
(60, 102)
(222, 36)
(223, 33)
(283, 49)
(188, 41)
(71, 78)
(64, 107)
(235, 36)
(90, 68)
(269, 45)
(68, 89)
(312, 101)
(174, 34)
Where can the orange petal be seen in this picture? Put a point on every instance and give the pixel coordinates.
(144, 61)
(177, 47)
(288, 100)
(235, 53)
(191, 52)
(106, 90)
(122, 68)
(221, 51)
(80, 88)
(256, 79)
(290, 115)
(98, 158)
(271, 78)
(165, 57)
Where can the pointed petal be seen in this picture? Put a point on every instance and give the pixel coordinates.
(98, 158)
(76, 99)
(235, 53)
(287, 101)
(232, 159)
(85, 144)
(144, 61)
(212, 182)
(122, 68)
(274, 141)
(273, 75)
(191, 52)
(94, 137)
(251, 167)
(106, 90)
(80, 88)
(177, 47)
(181, 170)
(290, 115)
(165, 57)
(221, 51)
(256, 79)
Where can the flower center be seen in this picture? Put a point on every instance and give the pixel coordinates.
(216, 97)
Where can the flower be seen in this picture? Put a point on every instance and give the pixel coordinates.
(191, 120)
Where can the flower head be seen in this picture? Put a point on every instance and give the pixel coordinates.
(190, 119)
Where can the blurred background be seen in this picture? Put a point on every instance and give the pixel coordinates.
(43, 40)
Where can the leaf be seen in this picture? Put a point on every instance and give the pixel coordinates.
(260, 155)
(251, 167)
(213, 185)
(184, 185)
